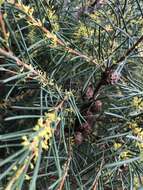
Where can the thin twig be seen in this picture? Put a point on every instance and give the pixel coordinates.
(55, 38)
(17, 174)
(95, 183)
(60, 105)
(129, 51)
(34, 72)
(121, 59)
(2, 25)
(67, 164)
(3, 30)
(17, 60)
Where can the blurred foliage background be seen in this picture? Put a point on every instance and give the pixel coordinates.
(71, 94)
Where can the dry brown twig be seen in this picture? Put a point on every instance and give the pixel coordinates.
(129, 51)
(95, 183)
(2, 25)
(3, 30)
(66, 168)
(17, 60)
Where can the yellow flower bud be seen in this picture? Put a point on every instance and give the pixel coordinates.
(117, 146)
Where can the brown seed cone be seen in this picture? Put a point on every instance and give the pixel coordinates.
(78, 138)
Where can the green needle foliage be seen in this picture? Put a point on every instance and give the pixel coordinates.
(71, 94)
